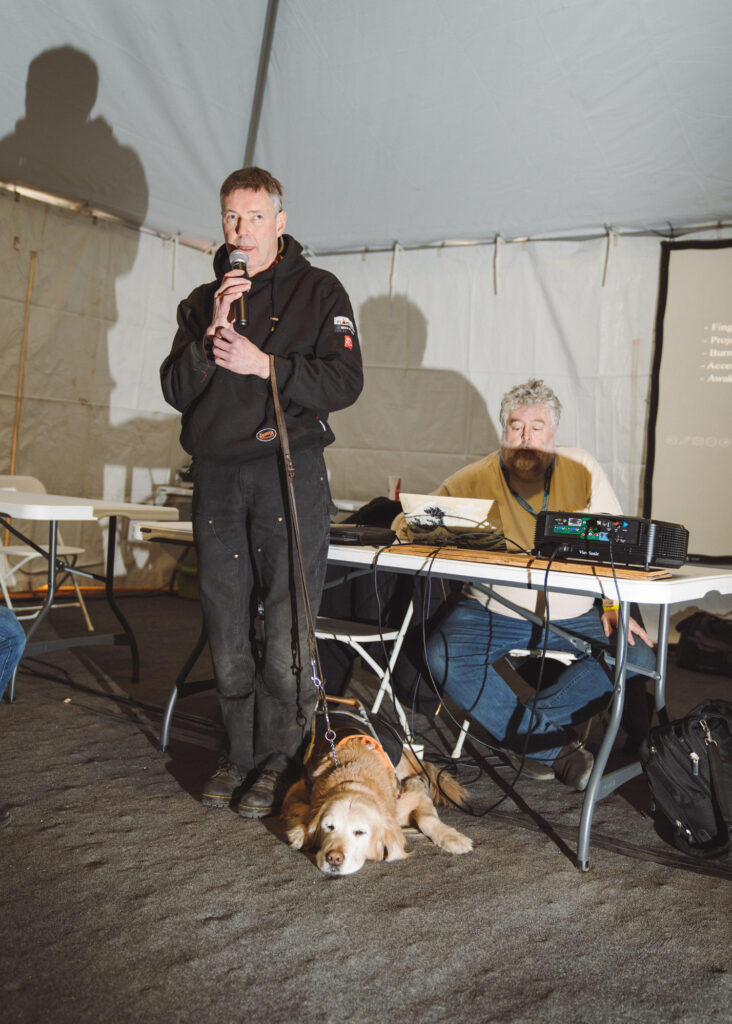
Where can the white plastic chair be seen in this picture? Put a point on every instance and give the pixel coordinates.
(15, 555)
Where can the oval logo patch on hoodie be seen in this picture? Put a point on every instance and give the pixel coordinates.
(266, 434)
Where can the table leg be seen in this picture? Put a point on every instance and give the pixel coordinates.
(662, 662)
(109, 591)
(595, 790)
(181, 688)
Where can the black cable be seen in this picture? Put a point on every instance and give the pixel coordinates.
(377, 595)
(449, 764)
(493, 747)
(561, 549)
(392, 726)
(545, 644)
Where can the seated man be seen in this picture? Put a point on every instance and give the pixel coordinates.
(526, 476)
(12, 642)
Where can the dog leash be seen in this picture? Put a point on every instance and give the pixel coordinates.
(315, 667)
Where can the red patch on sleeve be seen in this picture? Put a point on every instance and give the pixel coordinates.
(348, 341)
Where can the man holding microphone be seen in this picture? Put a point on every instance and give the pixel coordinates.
(218, 376)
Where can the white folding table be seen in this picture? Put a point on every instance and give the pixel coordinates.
(56, 508)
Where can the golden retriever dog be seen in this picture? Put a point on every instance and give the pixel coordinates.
(355, 811)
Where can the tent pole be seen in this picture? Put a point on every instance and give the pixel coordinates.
(267, 36)
(21, 364)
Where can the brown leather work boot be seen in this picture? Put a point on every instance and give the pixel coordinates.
(264, 796)
(219, 790)
(573, 765)
(530, 767)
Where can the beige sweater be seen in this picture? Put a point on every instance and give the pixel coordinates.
(578, 484)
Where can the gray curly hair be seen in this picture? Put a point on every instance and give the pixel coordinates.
(533, 392)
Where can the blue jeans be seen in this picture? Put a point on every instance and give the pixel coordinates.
(461, 653)
(12, 642)
(246, 557)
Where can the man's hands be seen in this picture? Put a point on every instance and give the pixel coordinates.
(231, 350)
(233, 285)
(238, 354)
(610, 624)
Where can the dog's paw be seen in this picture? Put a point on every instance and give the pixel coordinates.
(296, 836)
(393, 853)
(454, 841)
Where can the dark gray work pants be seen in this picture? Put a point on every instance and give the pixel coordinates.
(246, 558)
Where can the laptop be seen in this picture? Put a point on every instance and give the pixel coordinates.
(365, 536)
(451, 521)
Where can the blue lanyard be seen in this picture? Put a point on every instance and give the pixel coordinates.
(521, 500)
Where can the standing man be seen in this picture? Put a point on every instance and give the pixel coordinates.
(219, 379)
(526, 476)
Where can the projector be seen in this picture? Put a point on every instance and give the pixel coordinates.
(611, 539)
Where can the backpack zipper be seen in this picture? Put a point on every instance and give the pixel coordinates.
(708, 738)
(690, 752)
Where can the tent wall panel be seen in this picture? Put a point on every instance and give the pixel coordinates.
(441, 347)
(101, 322)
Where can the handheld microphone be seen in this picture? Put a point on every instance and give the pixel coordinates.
(238, 260)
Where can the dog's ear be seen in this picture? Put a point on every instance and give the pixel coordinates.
(313, 821)
(387, 843)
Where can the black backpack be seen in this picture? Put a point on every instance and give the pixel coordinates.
(688, 764)
(705, 644)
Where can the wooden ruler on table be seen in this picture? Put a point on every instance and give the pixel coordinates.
(428, 551)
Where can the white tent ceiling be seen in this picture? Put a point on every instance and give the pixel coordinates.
(386, 120)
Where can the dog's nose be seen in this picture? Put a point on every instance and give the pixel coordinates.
(334, 857)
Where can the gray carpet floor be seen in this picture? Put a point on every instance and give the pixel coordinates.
(123, 899)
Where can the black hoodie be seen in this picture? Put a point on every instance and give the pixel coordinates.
(300, 314)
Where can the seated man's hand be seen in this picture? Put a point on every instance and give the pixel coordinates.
(610, 624)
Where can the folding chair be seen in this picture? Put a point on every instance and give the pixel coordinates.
(356, 634)
(25, 554)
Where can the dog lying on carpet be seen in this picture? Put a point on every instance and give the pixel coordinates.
(355, 811)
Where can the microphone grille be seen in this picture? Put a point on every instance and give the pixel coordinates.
(238, 258)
